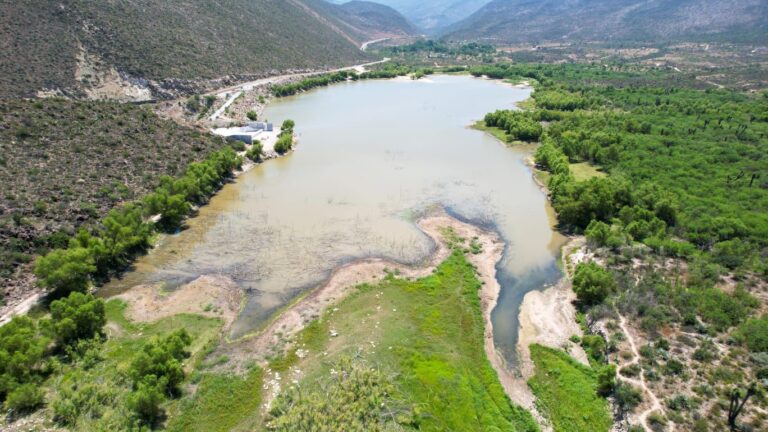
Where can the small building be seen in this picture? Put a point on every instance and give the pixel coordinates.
(248, 133)
(248, 139)
(260, 126)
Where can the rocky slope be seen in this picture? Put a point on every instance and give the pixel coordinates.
(123, 47)
(616, 20)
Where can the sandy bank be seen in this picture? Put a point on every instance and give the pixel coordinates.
(210, 296)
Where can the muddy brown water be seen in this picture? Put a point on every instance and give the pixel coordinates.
(371, 157)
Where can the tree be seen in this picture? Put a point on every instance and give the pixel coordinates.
(288, 126)
(162, 358)
(145, 400)
(739, 398)
(65, 270)
(592, 283)
(252, 115)
(79, 316)
(22, 355)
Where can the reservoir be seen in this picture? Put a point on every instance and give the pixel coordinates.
(371, 156)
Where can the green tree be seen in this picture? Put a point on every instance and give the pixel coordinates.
(162, 358)
(592, 283)
(65, 270)
(146, 399)
(284, 144)
(79, 316)
(22, 355)
(288, 126)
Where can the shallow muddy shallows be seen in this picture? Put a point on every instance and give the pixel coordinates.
(371, 156)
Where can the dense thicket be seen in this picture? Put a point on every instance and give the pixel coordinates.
(519, 125)
(684, 164)
(27, 352)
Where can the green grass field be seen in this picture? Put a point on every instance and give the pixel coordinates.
(585, 171)
(427, 335)
(221, 403)
(566, 392)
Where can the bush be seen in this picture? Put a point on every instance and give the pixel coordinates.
(284, 144)
(592, 283)
(754, 334)
(674, 367)
(606, 380)
(595, 347)
(252, 115)
(256, 151)
(79, 316)
(628, 397)
(25, 397)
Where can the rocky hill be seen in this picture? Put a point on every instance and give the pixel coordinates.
(616, 20)
(367, 20)
(73, 45)
(432, 15)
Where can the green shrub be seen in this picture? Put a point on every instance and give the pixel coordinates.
(754, 334)
(606, 380)
(79, 316)
(252, 115)
(25, 397)
(256, 152)
(592, 283)
(284, 144)
(65, 270)
(161, 358)
(628, 397)
(146, 399)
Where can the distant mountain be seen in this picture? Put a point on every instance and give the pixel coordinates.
(433, 15)
(369, 20)
(70, 44)
(606, 20)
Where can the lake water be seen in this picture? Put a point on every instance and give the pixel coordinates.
(371, 156)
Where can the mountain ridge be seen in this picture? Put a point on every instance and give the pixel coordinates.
(520, 21)
(45, 48)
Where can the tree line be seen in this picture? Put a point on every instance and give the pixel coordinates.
(94, 255)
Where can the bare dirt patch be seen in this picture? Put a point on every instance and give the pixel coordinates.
(210, 296)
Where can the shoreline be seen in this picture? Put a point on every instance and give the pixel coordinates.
(275, 337)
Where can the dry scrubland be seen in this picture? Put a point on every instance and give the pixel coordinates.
(65, 164)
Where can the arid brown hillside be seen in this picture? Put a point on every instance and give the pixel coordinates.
(64, 45)
(65, 164)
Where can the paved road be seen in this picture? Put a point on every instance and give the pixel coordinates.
(237, 90)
